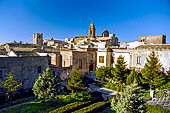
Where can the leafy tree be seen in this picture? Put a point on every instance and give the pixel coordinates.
(45, 87)
(10, 85)
(152, 73)
(104, 73)
(130, 101)
(76, 84)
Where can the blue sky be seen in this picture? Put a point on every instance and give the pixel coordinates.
(129, 19)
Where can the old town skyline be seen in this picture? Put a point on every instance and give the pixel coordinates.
(129, 20)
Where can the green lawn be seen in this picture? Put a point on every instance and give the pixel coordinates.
(36, 107)
(46, 105)
(17, 102)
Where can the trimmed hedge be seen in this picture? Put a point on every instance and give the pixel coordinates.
(156, 109)
(94, 107)
(69, 107)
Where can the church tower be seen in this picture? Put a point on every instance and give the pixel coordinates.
(92, 30)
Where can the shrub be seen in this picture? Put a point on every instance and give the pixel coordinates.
(69, 107)
(93, 108)
(130, 101)
(111, 86)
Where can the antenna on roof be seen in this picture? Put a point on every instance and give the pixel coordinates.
(114, 28)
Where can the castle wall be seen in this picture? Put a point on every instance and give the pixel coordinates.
(155, 39)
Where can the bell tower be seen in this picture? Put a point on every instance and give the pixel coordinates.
(92, 30)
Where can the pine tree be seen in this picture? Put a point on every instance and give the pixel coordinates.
(45, 87)
(120, 72)
(11, 85)
(152, 73)
(130, 101)
(132, 77)
(76, 84)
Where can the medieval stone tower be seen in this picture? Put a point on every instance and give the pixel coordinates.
(38, 38)
(92, 30)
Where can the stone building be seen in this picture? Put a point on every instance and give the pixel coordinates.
(21, 50)
(92, 39)
(25, 69)
(38, 38)
(155, 39)
(108, 56)
(138, 55)
(67, 57)
(54, 43)
(116, 52)
(84, 60)
(104, 57)
(26, 61)
(109, 39)
(135, 57)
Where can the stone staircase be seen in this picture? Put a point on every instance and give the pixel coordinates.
(162, 101)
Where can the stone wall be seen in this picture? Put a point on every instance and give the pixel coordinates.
(155, 39)
(80, 57)
(38, 38)
(25, 69)
(66, 58)
(84, 60)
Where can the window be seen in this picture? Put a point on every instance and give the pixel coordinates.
(0, 73)
(138, 60)
(39, 69)
(80, 64)
(101, 59)
(113, 60)
(38, 36)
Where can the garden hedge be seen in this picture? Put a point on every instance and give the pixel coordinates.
(94, 108)
(71, 107)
